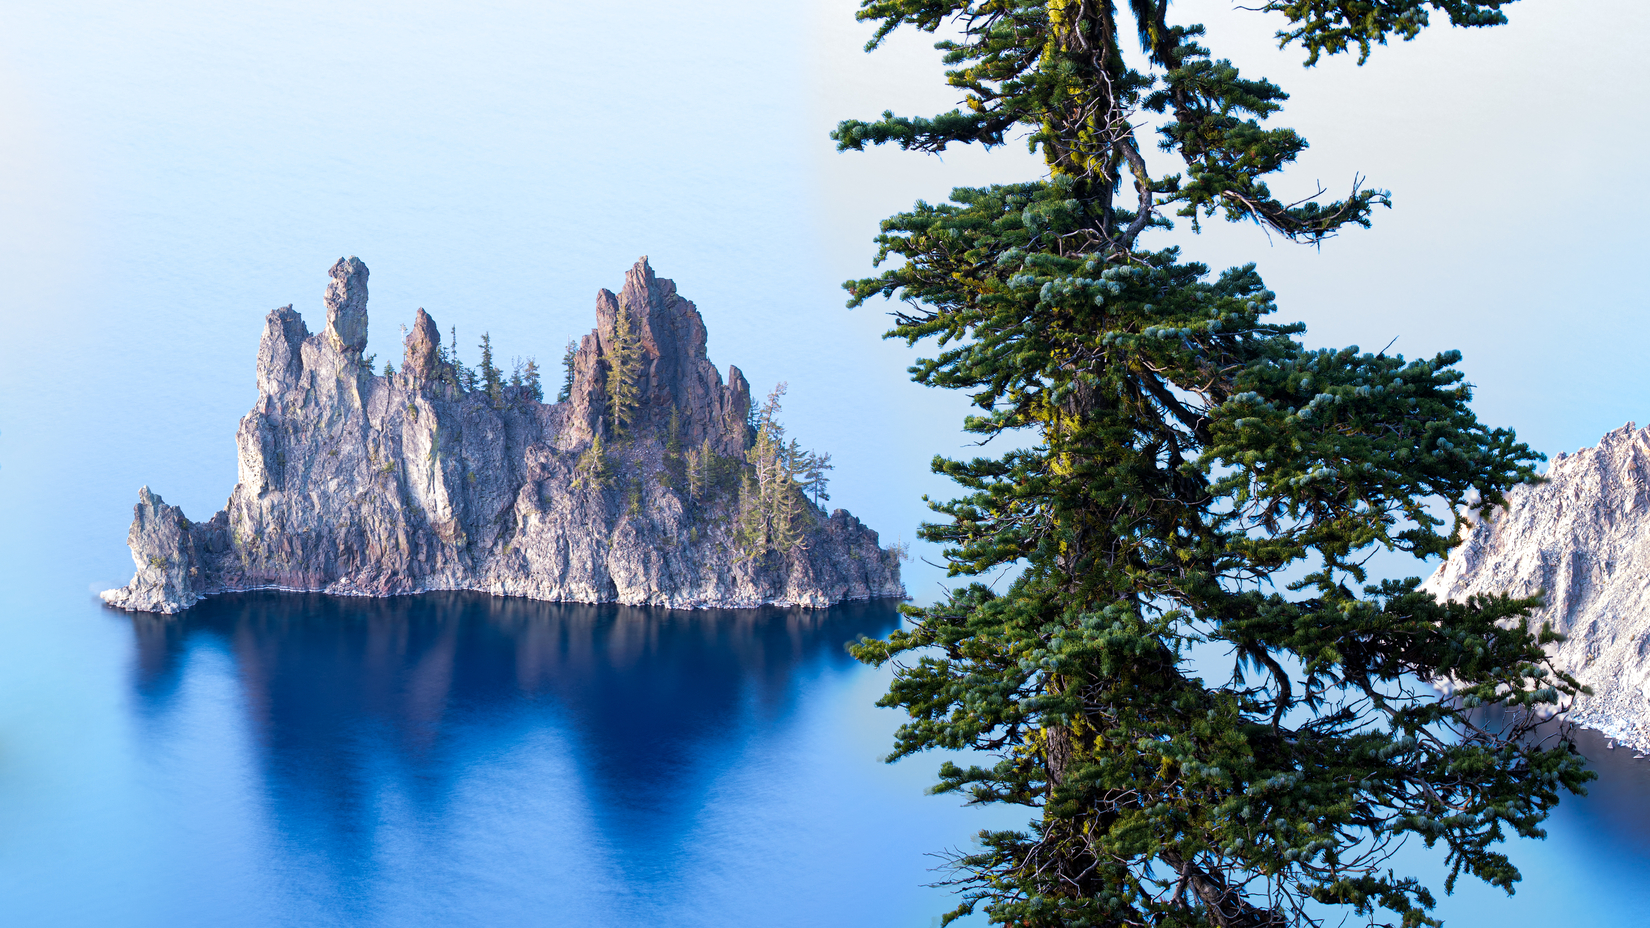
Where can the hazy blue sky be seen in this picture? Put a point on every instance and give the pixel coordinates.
(169, 172)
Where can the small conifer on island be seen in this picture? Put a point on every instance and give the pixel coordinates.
(530, 379)
(460, 375)
(624, 360)
(698, 465)
(567, 361)
(774, 510)
(814, 480)
(1189, 474)
(593, 466)
(492, 380)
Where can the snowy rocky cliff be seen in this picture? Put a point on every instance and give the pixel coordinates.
(358, 483)
(1583, 537)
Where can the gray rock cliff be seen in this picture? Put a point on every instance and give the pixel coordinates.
(1583, 537)
(352, 482)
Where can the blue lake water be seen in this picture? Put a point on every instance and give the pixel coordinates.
(457, 759)
(276, 759)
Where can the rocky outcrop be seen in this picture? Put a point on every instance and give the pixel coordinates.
(358, 483)
(1583, 538)
(168, 559)
(675, 373)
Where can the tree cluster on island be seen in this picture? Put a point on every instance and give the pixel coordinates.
(780, 487)
(1195, 477)
(487, 377)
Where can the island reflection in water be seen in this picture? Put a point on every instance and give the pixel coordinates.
(459, 759)
(470, 735)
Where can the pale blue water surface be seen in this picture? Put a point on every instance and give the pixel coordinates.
(169, 172)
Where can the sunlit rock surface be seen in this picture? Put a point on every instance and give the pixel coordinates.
(355, 483)
(1583, 537)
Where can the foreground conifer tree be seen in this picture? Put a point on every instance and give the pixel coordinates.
(1187, 452)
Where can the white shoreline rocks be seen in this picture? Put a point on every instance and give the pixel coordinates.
(1583, 537)
(360, 484)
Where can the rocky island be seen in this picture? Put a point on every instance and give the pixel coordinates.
(649, 481)
(1582, 536)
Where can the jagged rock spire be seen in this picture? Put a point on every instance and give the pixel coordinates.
(675, 371)
(423, 347)
(280, 352)
(346, 301)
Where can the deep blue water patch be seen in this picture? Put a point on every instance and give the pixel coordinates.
(276, 759)
(343, 693)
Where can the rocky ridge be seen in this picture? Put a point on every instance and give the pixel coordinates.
(352, 482)
(1583, 537)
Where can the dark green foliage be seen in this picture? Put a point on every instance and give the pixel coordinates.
(594, 468)
(530, 380)
(459, 375)
(389, 369)
(566, 391)
(1056, 69)
(624, 366)
(1331, 26)
(1183, 458)
(814, 481)
(774, 514)
(492, 383)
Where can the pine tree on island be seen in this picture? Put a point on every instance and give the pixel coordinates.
(624, 366)
(700, 461)
(492, 381)
(567, 360)
(593, 466)
(1188, 474)
(673, 434)
(774, 512)
(530, 380)
(461, 376)
(814, 481)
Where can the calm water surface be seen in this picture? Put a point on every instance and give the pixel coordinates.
(279, 759)
(270, 760)
(456, 759)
